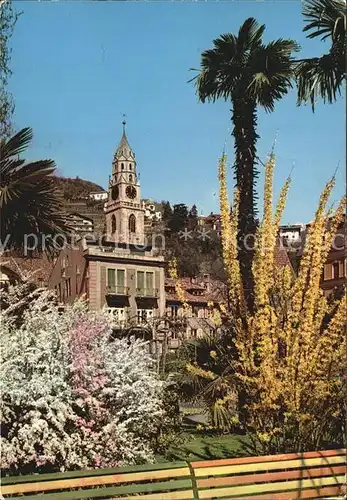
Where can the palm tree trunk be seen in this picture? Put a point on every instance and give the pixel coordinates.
(244, 119)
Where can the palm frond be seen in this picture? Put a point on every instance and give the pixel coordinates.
(28, 198)
(272, 72)
(16, 144)
(325, 18)
(318, 78)
(250, 35)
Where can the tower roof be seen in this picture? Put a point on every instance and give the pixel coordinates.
(124, 148)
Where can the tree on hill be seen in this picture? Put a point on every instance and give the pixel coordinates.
(323, 77)
(246, 72)
(167, 211)
(179, 219)
(8, 18)
(193, 217)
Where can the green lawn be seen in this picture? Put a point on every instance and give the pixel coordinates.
(199, 446)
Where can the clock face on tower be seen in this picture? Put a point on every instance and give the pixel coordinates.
(131, 192)
(115, 192)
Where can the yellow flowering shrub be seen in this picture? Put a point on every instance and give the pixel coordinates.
(291, 351)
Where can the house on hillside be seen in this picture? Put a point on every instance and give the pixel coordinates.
(291, 235)
(79, 224)
(98, 196)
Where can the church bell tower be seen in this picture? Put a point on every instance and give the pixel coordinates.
(124, 211)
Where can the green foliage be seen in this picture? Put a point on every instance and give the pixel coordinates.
(29, 201)
(204, 373)
(179, 219)
(169, 430)
(195, 254)
(206, 445)
(193, 217)
(322, 77)
(167, 211)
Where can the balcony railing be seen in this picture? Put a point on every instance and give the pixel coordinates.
(117, 290)
(147, 292)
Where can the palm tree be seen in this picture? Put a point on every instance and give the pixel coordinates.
(323, 76)
(29, 202)
(244, 71)
(204, 373)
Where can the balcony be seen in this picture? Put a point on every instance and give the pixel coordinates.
(117, 290)
(152, 293)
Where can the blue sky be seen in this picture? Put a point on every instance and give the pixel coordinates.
(78, 66)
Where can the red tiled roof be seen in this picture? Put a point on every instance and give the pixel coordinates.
(281, 257)
(203, 297)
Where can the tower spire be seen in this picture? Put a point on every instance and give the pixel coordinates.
(124, 148)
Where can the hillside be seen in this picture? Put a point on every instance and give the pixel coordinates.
(76, 189)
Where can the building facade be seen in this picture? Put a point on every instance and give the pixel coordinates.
(334, 277)
(118, 271)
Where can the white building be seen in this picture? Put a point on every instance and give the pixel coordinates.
(99, 196)
(292, 233)
(151, 212)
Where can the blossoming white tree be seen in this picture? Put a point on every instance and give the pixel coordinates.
(71, 397)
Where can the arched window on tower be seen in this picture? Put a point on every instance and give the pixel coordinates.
(130, 166)
(130, 178)
(122, 166)
(132, 224)
(113, 224)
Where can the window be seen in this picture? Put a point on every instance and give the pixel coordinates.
(130, 166)
(113, 224)
(122, 166)
(132, 223)
(336, 270)
(130, 178)
(194, 333)
(149, 282)
(174, 311)
(116, 280)
(68, 287)
(145, 283)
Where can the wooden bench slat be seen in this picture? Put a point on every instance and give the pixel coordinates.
(270, 476)
(289, 464)
(114, 491)
(87, 473)
(326, 491)
(95, 481)
(297, 485)
(269, 458)
(172, 495)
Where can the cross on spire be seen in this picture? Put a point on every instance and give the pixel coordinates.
(124, 121)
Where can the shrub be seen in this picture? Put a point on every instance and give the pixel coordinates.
(71, 398)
